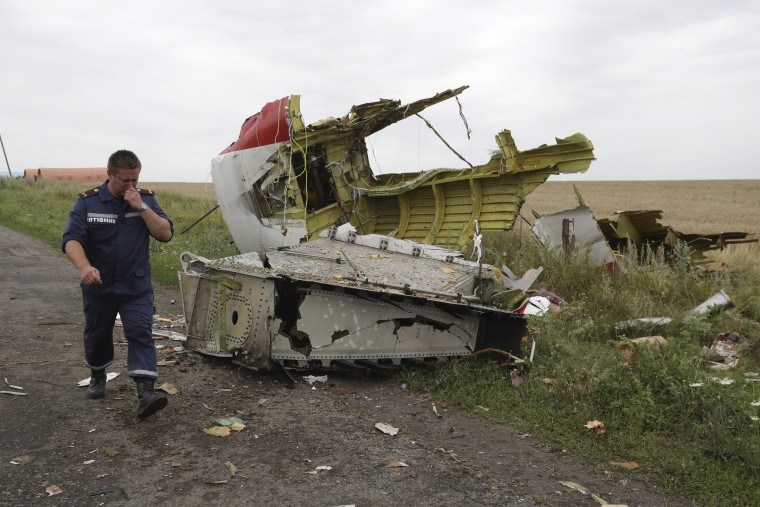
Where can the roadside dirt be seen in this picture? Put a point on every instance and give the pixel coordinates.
(99, 453)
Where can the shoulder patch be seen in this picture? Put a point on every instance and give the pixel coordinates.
(89, 193)
(145, 191)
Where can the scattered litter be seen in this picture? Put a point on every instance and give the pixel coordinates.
(723, 381)
(15, 393)
(556, 303)
(320, 467)
(715, 302)
(583, 490)
(628, 465)
(536, 305)
(207, 407)
(755, 403)
(229, 421)
(53, 490)
(629, 347)
(403, 386)
(311, 379)
(217, 431)
(435, 410)
(12, 386)
(20, 460)
(597, 425)
(167, 388)
(517, 381)
(396, 464)
(724, 350)
(214, 483)
(88, 462)
(696, 384)
(232, 468)
(387, 428)
(754, 418)
(170, 362)
(481, 407)
(111, 452)
(109, 376)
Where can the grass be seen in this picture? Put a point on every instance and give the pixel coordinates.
(40, 209)
(698, 442)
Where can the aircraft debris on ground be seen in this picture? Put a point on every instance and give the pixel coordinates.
(340, 264)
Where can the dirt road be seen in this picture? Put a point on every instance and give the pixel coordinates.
(99, 453)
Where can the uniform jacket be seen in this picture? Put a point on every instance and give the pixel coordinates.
(115, 240)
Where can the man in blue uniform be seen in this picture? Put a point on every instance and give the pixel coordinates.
(107, 239)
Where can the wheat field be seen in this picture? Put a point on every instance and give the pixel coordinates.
(693, 206)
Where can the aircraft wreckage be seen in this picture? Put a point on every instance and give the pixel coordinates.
(341, 264)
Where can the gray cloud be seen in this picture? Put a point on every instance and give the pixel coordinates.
(665, 90)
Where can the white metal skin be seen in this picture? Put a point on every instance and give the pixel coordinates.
(233, 175)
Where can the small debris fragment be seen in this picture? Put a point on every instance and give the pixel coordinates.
(387, 428)
(232, 468)
(597, 425)
(723, 381)
(109, 376)
(217, 431)
(629, 347)
(172, 335)
(320, 467)
(396, 464)
(311, 379)
(435, 411)
(14, 393)
(88, 462)
(53, 490)
(207, 407)
(717, 301)
(517, 381)
(167, 388)
(12, 386)
(20, 460)
(229, 421)
(110, 452)
(725, 350)
(536, 305)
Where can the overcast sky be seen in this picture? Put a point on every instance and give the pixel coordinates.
(664, 89)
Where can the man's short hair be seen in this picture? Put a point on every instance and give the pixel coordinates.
(123, 159)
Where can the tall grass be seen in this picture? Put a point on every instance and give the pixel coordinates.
(41, 209)
(701, 441)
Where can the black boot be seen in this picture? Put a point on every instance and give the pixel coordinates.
(97, 389)
(148, 401)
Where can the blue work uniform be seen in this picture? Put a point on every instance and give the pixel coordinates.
(116, 242)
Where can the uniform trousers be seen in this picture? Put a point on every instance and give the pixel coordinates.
(137, 318)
